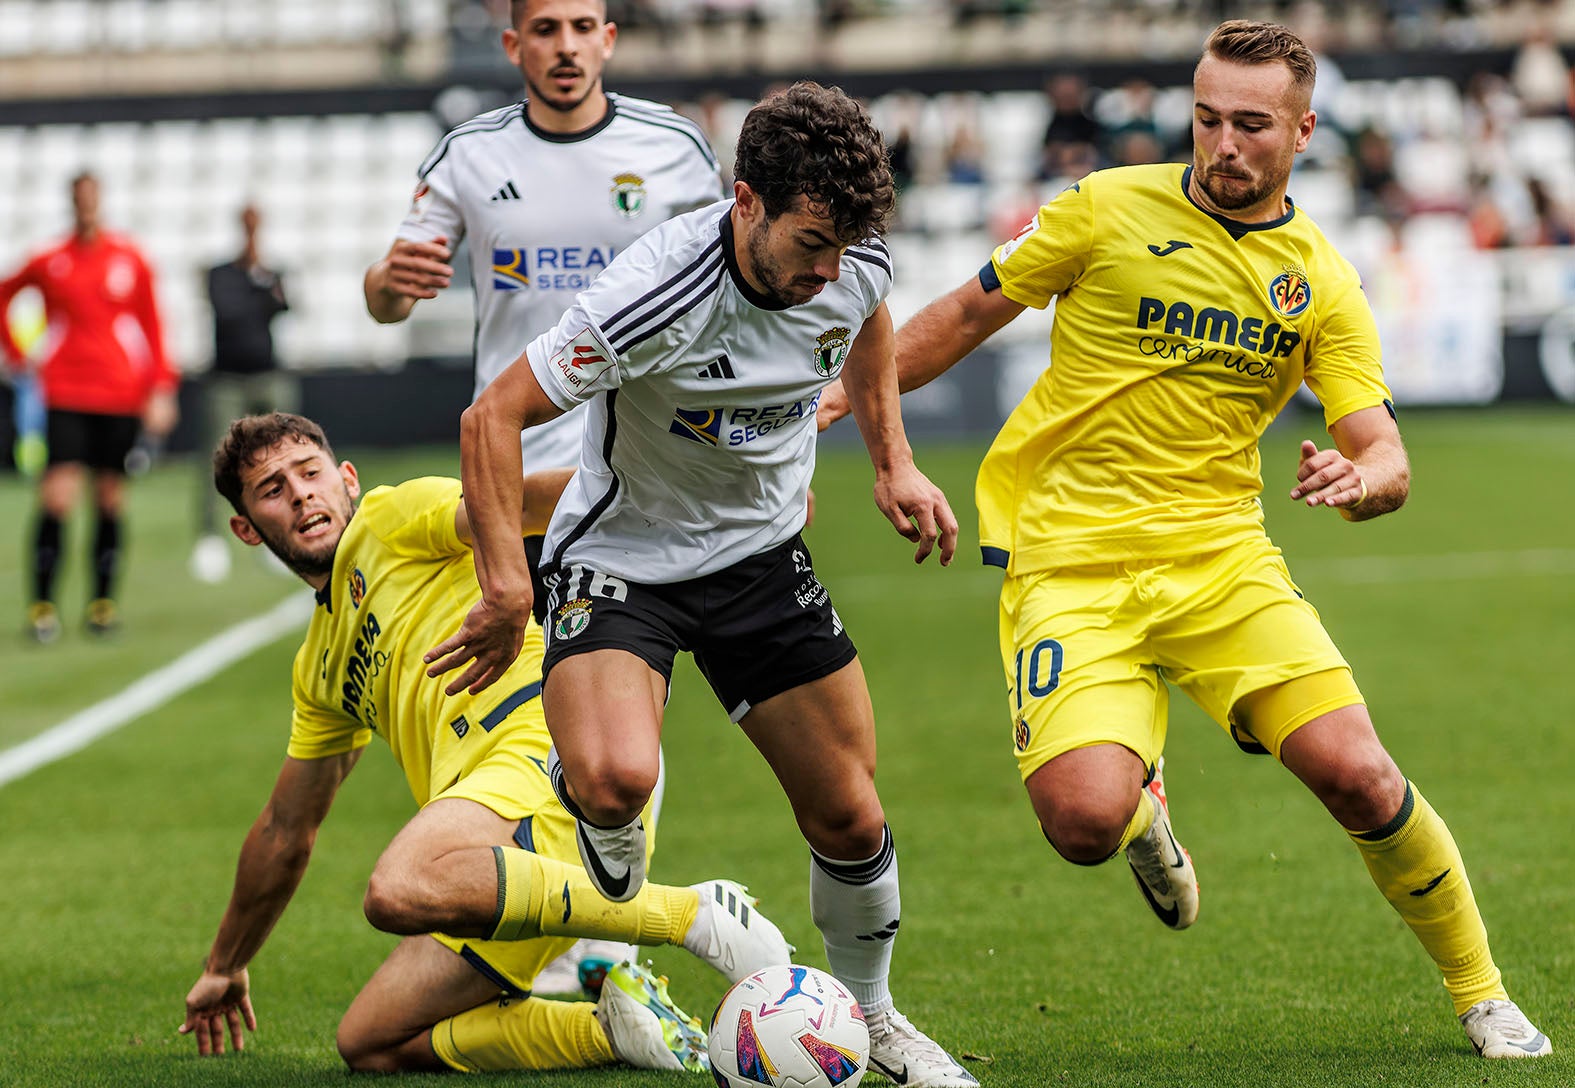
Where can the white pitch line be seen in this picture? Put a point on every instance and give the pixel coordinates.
(154, 689)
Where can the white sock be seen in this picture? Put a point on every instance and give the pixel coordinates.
(857, 907)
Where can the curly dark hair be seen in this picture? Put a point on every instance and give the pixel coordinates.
(249, 436)
(817, 142)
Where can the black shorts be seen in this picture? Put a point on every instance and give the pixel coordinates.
(87, 438)
(758, 628)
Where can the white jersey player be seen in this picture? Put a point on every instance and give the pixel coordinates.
(546, 197)
(703, 351)
(547, 192)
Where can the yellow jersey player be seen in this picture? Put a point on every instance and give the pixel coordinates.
(482, 881)
(1122, 499)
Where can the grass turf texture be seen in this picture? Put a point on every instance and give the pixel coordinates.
(117, 861)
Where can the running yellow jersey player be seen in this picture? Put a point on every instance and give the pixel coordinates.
(490, 859)
(1122, 498)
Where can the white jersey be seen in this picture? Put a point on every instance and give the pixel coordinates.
(546, 213)
(700, 444)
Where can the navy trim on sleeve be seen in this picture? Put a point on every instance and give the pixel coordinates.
(994, 557)
(988, 278)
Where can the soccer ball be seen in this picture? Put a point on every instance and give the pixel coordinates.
(789, 1027)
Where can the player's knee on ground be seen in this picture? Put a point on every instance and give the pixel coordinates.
(364, 1053)
(1084, 828)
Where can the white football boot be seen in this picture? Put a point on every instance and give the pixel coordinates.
(731, 934)
(1162, 869)
(1498, 1029)
(905, 1055)
(644, 1027)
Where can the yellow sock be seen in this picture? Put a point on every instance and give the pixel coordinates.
(1415, 863)
(1142, 820)
(540, 896)
(523, 1034)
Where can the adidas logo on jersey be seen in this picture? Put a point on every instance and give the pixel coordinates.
(721, 368)
(507, 192)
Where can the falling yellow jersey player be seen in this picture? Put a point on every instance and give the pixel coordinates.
(483, 881)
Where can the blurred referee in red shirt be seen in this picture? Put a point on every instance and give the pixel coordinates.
(104, 378)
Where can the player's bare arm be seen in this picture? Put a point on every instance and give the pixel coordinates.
(491, 470)
(411, 271)
(1365, 475)
(542, 491)
(273, 861)
(915, 507)
(933, 340)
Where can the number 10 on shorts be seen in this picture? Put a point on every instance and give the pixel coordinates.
(1043, 667)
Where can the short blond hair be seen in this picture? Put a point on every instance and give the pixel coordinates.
(1242, 41)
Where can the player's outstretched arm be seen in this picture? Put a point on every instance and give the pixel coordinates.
(915, 507)
(273, 860)
(933, 340)
(1366, 475)
(491, 468)
(411, 271)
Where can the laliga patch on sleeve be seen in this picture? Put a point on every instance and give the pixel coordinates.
(581, 361)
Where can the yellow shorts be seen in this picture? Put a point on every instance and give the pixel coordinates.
(511, 780)
(1090, 652)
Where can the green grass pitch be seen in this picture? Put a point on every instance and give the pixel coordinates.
(1457, 615)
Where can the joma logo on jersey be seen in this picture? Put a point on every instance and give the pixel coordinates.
(1218, 326)
(1289, 292)
(831, 351)
(508, 270)
(628, 195)
(743, 425)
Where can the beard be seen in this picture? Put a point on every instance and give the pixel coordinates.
(780, 287)
(1234, 200)
(561, 105)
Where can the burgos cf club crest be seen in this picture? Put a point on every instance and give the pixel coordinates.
(572, 618)
(831, 351)
(357, 587)
(628, 195)
(1289, 292)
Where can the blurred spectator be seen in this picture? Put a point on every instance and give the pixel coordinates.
(1488, 225)
(1539, 74)
(105, 378)
(246, 296)
(1073, 139)
(1378, 190)
(1135, 147)
(1552, 225)
(965, 156)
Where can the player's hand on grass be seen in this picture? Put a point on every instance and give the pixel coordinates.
(1328, 478)
(419, 269)
(488, 642)
(832, 407)
(219, 1004)
(918, 510)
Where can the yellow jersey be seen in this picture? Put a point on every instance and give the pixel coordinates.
(1178, 336)
(403, 582)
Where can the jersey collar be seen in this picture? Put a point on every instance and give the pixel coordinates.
(569, 137)
(1235, 228)
(730, 258)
